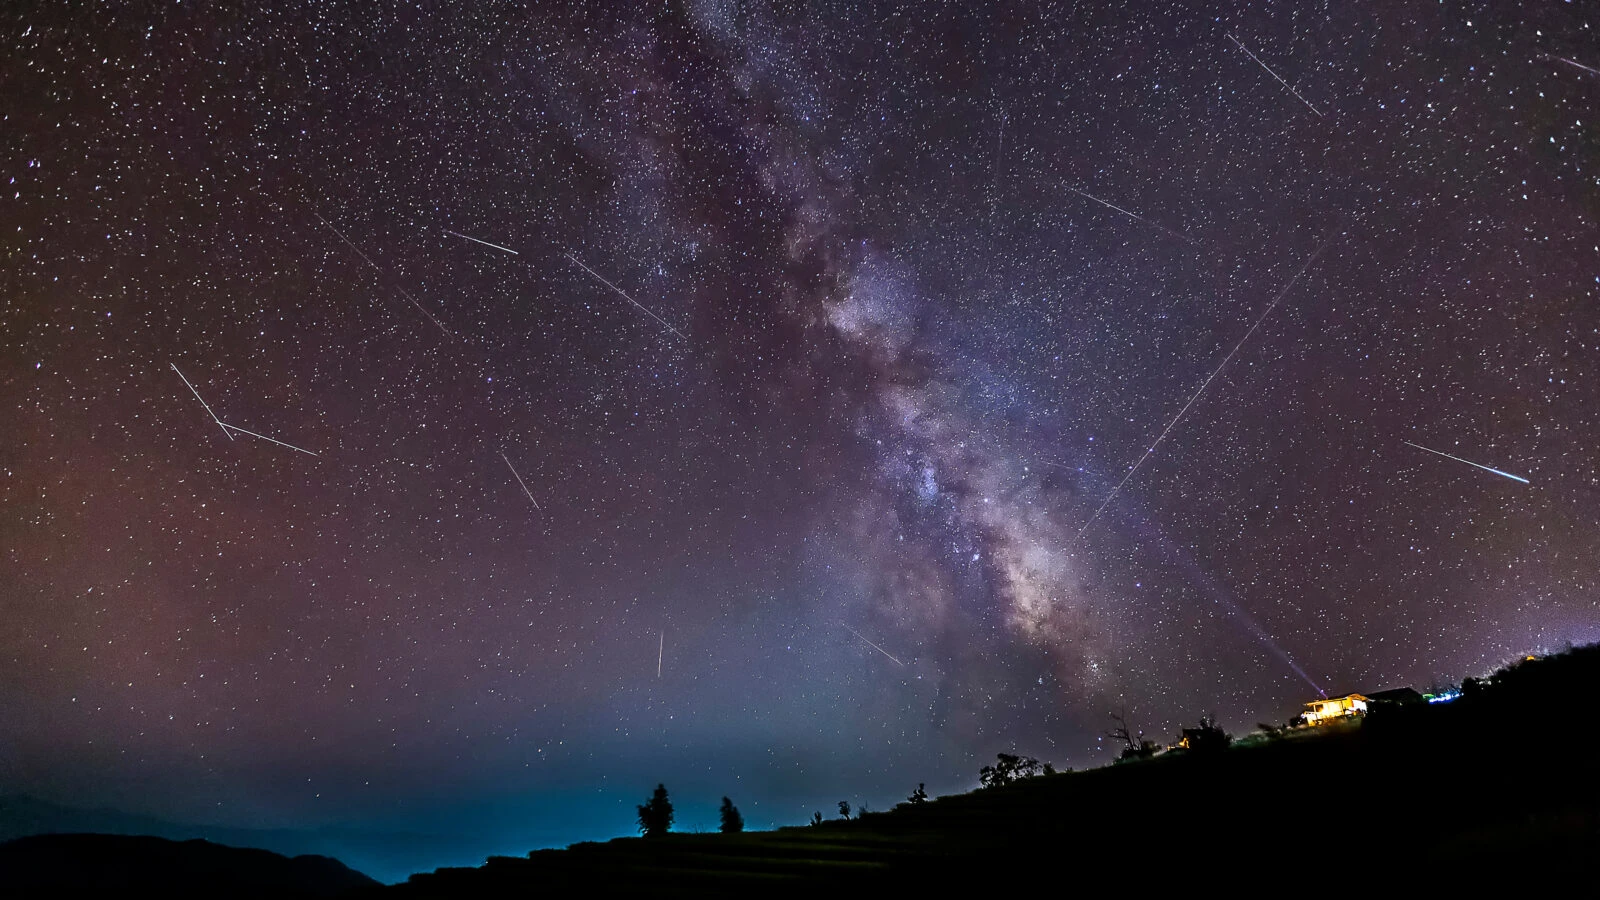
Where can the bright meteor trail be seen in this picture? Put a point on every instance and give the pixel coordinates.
(1471, 463)
(1590, 69)
(265, 438)
(203, 403)
(403, 292)
(874, 646)
(519, 480)
(642, 308)
(1275, 75)
(476, 241)
(1137, 218)
(230, 429)
(1202, 389)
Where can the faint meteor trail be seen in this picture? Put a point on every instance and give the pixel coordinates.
(1202, 389)
(1577, 65)
(519, 480)
(999, 155)
(203, 402)
(624, 294)
(661, 652)
(1275, 75)
(403, 292)
(874, 646)
(1471, 463)
(476, 241)
(265, 438)
(230, 429)
(1137, 218)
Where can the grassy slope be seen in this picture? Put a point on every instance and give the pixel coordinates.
(1503, 784)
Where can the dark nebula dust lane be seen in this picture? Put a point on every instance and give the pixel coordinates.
(802, 344)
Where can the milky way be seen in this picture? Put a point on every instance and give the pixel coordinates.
(798, 327)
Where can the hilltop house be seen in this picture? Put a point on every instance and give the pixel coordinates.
(1332, 709)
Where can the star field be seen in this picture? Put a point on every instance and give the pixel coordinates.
(806, 327)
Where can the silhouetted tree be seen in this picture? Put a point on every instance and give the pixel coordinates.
(655, 817)
(844, 810)
(1008, 767)
(1134, 746)
(1207, 737)
(816, 818)
(732, 822)
(919, 795)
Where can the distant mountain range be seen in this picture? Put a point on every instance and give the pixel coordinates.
(114, 864)
(387, 856)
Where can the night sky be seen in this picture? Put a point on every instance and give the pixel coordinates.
(827, 326)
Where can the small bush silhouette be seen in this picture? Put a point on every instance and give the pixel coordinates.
(732, 822)
(919, 795)
(816, 818)
(1207, 737)
(844, 810)
(655, 817)
(1008, 767)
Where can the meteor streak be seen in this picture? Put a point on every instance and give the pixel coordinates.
(1578, 65)
(476, 241)
(642, 308)
(661, 652)
(265, 438)
(1202, 389)
(519, 480)
(203, 402)
(230, 429)
(1140, 219)
(403, 292)
(1275, 75)
(874, 646)
(1471, 463)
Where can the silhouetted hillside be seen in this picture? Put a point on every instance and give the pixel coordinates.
(386, 855)
(120, 865)
(1502, 785)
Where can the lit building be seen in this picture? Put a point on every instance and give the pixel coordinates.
(1332, 709)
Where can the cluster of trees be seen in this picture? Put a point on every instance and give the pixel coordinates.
(1009, 767)
(1207, 737)
(845, 811)
(655, 816)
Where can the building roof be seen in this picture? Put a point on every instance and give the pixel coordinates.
(1396, 695)
(1335, 698)
(1392, 695)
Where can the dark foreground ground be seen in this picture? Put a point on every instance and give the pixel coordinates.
(1497, 793)
(1499, 790)
(115, 865)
